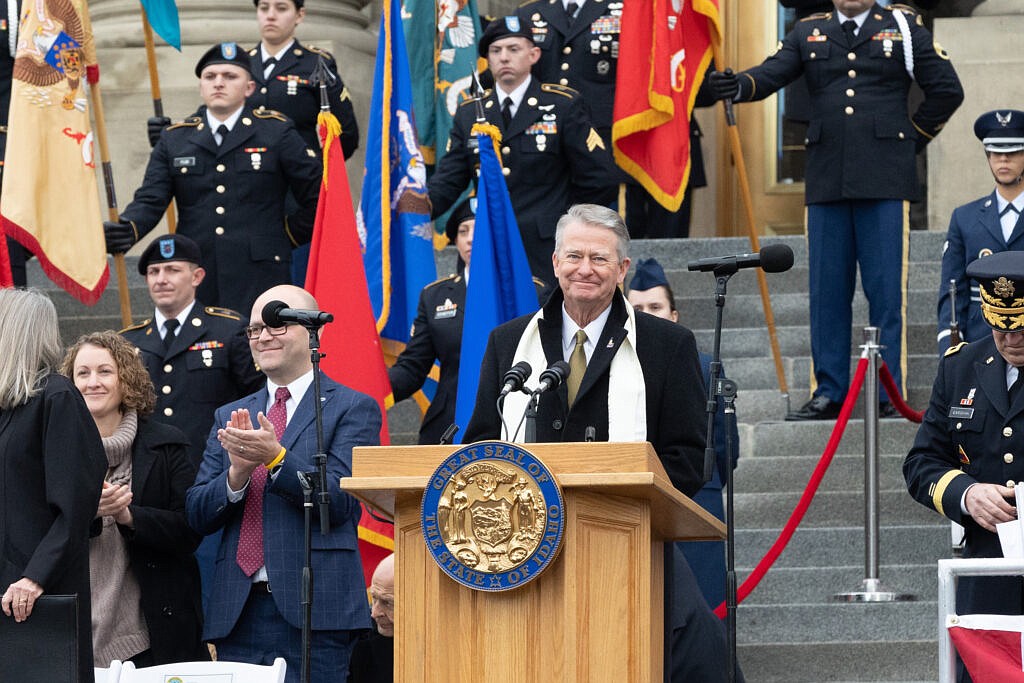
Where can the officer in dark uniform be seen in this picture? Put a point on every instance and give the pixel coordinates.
(205, 362)
(229, 169)
(553, 157)
(969, 452)
(859, 62)
(986, 225)
(437, 334)
(283, 69)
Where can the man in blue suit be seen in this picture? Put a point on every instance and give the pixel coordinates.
(247, 486)
(985, 226)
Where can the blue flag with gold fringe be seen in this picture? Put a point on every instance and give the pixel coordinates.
(500, 285)
(394, 212)
(163, 17)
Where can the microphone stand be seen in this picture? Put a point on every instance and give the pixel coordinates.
(315, 480)
(531, 418)
(727, 390)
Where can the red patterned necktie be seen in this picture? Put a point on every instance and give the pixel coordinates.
(250, 541)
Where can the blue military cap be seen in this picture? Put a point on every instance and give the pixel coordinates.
(1001, 131)
(648, 275)
(1000, 277)
(503, 27)
(170, 248)
(224, 53)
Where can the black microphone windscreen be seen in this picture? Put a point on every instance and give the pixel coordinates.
(562, 368)
(776, 258)
(270, 313)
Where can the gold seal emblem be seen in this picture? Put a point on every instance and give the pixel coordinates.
(1003, 288)
(492, 516)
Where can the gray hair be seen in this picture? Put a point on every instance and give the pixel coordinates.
(597, 216)
(30, 339)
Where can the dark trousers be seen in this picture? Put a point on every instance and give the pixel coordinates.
(262, 634)
(840, 235)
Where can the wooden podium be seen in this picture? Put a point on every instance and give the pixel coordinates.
(596, 613)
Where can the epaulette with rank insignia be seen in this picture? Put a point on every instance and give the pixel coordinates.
(563, 90)
(137, 326)
(438, 281)
(908, 10)
(190, 122)
(263, 113)
(818, 15)
(954, 349)
(320, 51)
(222, 312)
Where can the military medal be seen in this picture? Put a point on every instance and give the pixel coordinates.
(207, 358)
(887, 47)
(542, 141)
(446, 310)
(255, 156)
(603, 67)
(595, 47)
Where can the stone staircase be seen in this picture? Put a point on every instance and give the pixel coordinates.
(789, 628)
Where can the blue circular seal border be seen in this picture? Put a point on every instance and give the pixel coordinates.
(497, 452)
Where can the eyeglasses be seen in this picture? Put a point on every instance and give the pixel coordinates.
(253, 332)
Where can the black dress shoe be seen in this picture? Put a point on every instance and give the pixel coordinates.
(818, 408)
(888, 411)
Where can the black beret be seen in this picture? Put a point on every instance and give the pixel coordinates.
(1000, 277)
(170, 248)
(1001, 131)
(504, 27)
(224, 53)
(648, 275)
(464, 211)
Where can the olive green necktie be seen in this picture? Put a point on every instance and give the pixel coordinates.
(577, 366)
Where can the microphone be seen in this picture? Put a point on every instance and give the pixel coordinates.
(554, 375)
(515, 378)
(774, 258)
(277, 313)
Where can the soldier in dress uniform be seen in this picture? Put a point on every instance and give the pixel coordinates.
(437, 334)
(986, 225)
(969, 452)
(859, 62)
(197, 355)
(229, 168)
(283, 67)
(552, 155)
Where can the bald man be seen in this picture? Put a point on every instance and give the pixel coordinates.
(247, 486)
(373, 659)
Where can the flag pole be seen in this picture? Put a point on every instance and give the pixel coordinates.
(755, 243)
(108, 183)
(158, 103)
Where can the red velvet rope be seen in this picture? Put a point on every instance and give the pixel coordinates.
(750, 583)
(897, 399)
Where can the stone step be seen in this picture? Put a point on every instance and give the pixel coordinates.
(837, 622)
(810, 438)
(820, 584)
(776, 474)
(913, 661)
(828, 509)
(768, 405)
(759, 373)
(795, 340)
(843, 546)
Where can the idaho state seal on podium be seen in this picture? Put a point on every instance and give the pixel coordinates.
(493, 516)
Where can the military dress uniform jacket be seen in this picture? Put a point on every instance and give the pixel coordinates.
(436, 335)
(861, 141)
(584, 56)
(970, 433)
(231, 200)
(209, 364)
(974, 231)
(553, 158)
(290, 91)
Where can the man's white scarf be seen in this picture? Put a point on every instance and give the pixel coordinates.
(627, 397)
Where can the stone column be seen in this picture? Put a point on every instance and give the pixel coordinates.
(340, 26)
(985, 49)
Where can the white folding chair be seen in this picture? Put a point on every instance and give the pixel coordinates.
(205, 672)
(111, 674)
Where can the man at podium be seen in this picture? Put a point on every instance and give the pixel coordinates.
(633, 377)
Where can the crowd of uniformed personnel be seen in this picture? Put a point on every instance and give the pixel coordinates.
(244, 171)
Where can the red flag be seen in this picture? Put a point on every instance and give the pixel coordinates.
(664, 50)
(336, 278)
(990, 645)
